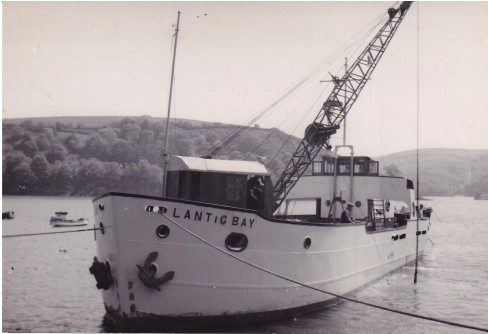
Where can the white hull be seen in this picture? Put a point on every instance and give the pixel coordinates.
(209, 283)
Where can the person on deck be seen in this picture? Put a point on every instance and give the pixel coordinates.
(346, 217)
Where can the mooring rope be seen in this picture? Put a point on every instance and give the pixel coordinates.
(46, 233)
(354, 300)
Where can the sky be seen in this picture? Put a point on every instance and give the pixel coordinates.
(234, 59)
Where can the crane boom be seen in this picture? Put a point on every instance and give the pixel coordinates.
(335, 108)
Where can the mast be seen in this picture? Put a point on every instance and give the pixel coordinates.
(165, 153)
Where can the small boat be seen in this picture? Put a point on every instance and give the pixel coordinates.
(60, 220)
(8, 215)
(481, 197)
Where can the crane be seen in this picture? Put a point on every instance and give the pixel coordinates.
(340, 101)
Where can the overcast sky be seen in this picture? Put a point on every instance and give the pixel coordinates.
(233, 59)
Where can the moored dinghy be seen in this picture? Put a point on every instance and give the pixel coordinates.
(60, 220)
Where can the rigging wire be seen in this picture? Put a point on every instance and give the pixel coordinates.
(418, 137)
(358, 43)
(277, 128)
(296, 127)
(351, 299)
(225, 142)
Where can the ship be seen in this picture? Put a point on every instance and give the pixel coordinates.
(226, 246)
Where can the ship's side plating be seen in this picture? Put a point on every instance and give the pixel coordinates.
(208, 283)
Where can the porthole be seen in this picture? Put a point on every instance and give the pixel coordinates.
(162, 231)
(236, 242)
(307, 243)
(102, 229)
(101, 207)
(358, 204)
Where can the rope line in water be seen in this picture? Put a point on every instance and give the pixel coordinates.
(351, 299)
(46, 233)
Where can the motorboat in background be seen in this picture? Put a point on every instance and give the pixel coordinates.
(60, 220)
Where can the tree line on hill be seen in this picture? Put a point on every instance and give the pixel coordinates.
(125, 155)
(63, 159)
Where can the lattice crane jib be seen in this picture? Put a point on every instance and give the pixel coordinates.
(345, 92)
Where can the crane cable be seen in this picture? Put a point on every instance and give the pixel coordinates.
(296, 127)
(284, 120)
(224, 143)
(351, 299)
(358, 42)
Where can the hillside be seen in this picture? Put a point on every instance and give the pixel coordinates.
(444, 171)
(95, 121)
(92, 155)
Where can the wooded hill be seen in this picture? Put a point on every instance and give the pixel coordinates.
(92, 155)
(444, 171)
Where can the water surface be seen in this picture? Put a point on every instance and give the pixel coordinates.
(47, 286)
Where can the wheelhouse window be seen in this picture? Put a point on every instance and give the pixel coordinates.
(307, 209)
(343, 167)
(235, 190)
(373, 168)
(360, 168)
(329, 166)
(317, 168)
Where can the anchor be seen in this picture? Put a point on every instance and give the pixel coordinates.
(147, 273)
(102, 273)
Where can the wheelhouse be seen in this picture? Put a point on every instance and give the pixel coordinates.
(232, 183)
(363, 165)
(322, 194)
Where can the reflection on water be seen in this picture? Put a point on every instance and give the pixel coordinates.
(47, 286)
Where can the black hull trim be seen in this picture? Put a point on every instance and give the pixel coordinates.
(114, 322)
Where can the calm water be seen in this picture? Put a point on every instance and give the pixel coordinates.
(47, 289)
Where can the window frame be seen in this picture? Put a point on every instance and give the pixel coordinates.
(321, 169)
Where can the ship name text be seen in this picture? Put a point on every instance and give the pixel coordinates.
(201, 216)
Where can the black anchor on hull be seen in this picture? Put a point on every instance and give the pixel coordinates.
(147, 273)
(102, 273)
